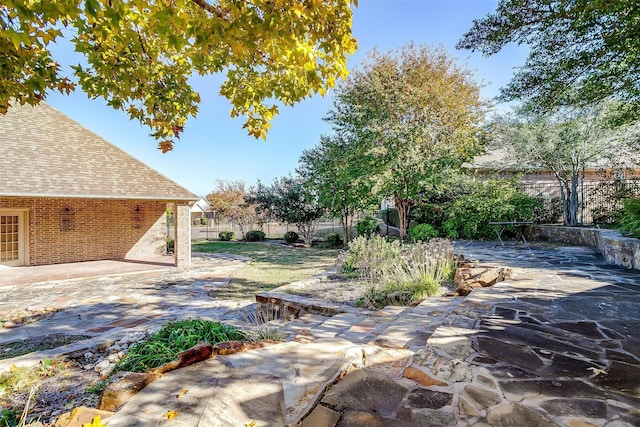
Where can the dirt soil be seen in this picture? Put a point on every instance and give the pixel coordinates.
(333, 289)
(64, 388)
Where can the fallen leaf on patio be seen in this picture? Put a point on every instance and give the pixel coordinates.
(182, 393)
(251, 424)
(171, 414)
(95, 422)
(597, 371)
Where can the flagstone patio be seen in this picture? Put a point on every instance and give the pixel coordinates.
(555, 345)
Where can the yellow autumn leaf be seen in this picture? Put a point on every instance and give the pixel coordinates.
(597, 371)
(251, 424)
(95, 422)
(171, 414)
(182, 393)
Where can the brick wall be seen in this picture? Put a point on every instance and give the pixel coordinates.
(72, 230)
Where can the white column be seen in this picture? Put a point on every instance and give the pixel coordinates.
(182, 249)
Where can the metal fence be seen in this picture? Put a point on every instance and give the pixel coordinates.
(599, 200)
(272, 230)
(210, 228)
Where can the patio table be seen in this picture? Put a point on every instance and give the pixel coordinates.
(500, 226)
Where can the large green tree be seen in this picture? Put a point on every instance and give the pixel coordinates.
(336, 170)
(139, 55)
(232, 200)
(289, 200)
(413, 115)
(582, 51)
(567, 142)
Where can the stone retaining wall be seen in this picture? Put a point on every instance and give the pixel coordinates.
(615, 248)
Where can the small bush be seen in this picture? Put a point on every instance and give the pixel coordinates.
(630, 221)
(470, 214)
(422, 232)
(291, 237)
(367, 226)
(547, 210)
(175, 337)
(430, 213)
(254, 236)
(226, 236)
(335, 240)
(171, 244)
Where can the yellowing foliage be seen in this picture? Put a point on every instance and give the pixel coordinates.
(141, 54)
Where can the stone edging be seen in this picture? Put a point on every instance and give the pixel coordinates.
(616, 249)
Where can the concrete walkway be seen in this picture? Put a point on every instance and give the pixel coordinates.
(556, 345)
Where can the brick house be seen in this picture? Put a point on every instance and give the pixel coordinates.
(67, 195)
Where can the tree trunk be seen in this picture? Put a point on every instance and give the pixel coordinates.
(404, 207)
(308, 230)
(574, 201)
(347, 221)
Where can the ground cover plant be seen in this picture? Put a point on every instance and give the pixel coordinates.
(173, 338)
(20, 390)
(394, 273)
(630, 221)
(272, 266)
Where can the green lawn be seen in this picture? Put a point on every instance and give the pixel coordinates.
(272, 266)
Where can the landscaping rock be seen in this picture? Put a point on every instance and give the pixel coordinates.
(469, 276)
(79, 416)
(421, 377)
(197, 353)
(121, 387)
(321, 416)
(232, 347)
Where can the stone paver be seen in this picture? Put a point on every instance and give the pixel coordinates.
(107, 307)
(555, 345)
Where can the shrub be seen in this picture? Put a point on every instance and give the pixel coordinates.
(547, 210)
(430, 213)
(291, 237)
(226, 236)
(420, 272)
(175, 337)
(254, 236)
(470, 214)
(422, 232)
(334, 239)
(630, 221)
(370, 258)
(171, 244)
(367, 226)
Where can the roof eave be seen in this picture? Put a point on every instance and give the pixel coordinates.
(103, 197)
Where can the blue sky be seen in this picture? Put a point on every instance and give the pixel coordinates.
(214, 146)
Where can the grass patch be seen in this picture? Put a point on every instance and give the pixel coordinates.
(272, 266)
(175, 337)
(18, 348)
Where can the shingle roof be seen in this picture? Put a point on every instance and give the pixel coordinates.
(47, 154)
